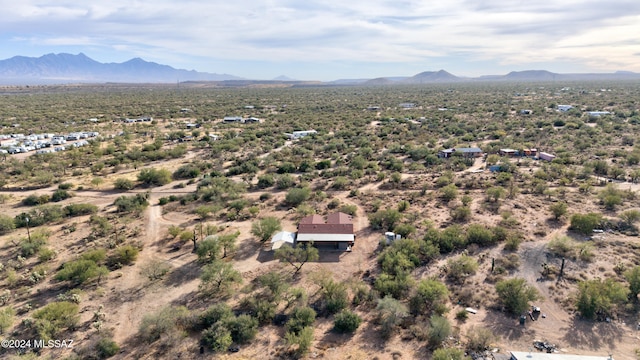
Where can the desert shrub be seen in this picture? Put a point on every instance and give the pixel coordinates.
(633, 278)
(515, 294)
(461, 213)
(51, 319)
(396, 286)
(124, 255)
(384, 219)
(187, 171)
(461, 267)
(123, 184)
(265, 181)
(106, 348)
(285, 181)
(349, 209)
(448, 354)
(46, 254)
(35, 199)
(302, 341)
(65, 186)
(334, 296)
(301, 317)
(480, 339)
(561, 246)
(390, 313)
(242, 328)
(60, 195)
(480, 234)
(7, 224)
(448, 192)
(40, 215)
(131, 203)
(215, 313)
(597, 299)
(297, 196)
(80, 209)
(585, 223)
(404, 229)
(426, 295)
(439, 330)
(166, 320)
(346, 322)
(217, 337)
(151, 176)
(81, 271)
(219, 277)
(6, 318)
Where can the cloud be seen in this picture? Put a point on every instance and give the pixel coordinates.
(588, 32)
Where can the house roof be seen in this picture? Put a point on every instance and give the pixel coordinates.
(521, 355)
(336, 223)
(464, 150)
(312, 219)
(339, 218)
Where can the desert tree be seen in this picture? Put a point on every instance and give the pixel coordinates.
(297, 256)
(264, 228)
(515, 294)
(218, 277)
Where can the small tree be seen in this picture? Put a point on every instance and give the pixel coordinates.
(448, 193)
(300, 318)
(480, 339)
(228, 242)
(217, 337)
(265, 228)
(123, 184)
(6, 224)
(585, 223)
(219, 277)
(390, 313)
(558, 209)
(439, 330)
(427, 294)
(515, 294)
(208, 249)
(297, 196)
(297, 256)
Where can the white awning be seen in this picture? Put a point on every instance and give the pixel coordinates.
(326, 237)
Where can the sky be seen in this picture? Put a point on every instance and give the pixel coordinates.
(333, 39)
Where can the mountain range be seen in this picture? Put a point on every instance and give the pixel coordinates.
(68, 68)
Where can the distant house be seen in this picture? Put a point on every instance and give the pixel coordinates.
(598, 113)
(466, 152)
(232, 119)
(336, 232)
(564, 108)
(252, 120)
(546, 156)
(249, 107)
(373, 108)
(213, 137)
(407, 105)
(518, 355)
(508, 152)
(526, 112)
(300, 134)
(191, 126)
(530, 152)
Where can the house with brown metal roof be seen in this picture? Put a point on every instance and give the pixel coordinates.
(336, 231)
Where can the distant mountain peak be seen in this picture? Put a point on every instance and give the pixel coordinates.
(283, 78)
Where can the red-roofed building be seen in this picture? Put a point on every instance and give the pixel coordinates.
(336, 231)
